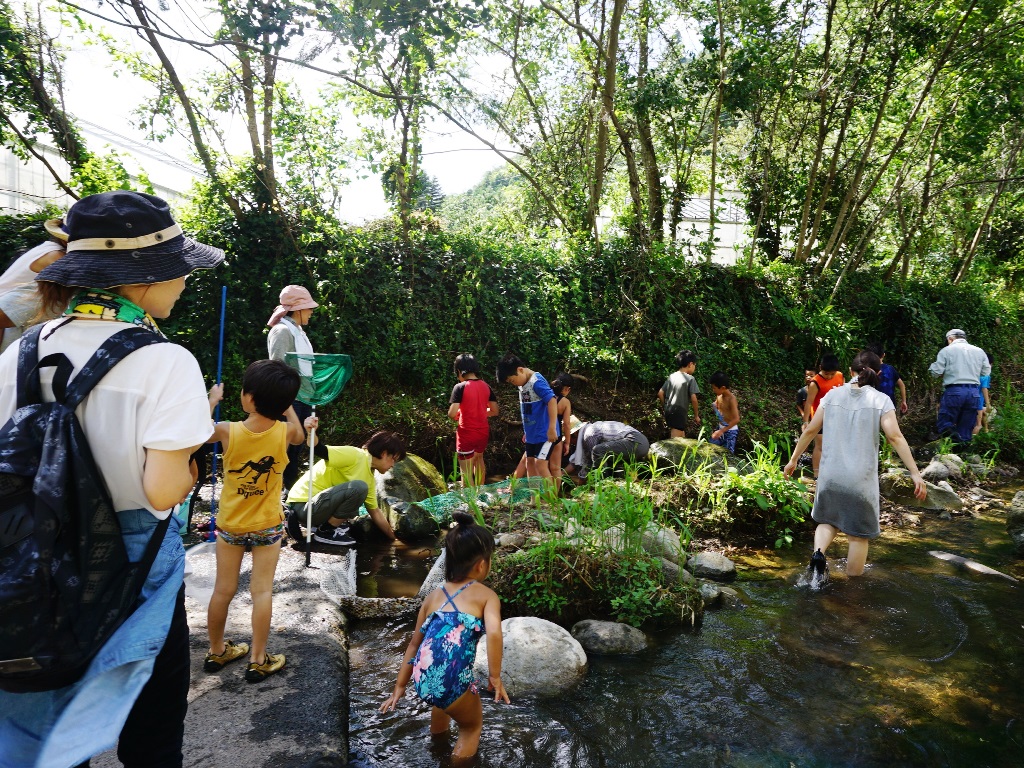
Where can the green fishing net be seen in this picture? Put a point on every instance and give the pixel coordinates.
(441, 506)
(323, 376)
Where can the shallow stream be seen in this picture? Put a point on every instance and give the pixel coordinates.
(917, 663)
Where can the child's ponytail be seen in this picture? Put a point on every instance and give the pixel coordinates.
(465, 544)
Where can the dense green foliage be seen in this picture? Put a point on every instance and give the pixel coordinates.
(404, 310)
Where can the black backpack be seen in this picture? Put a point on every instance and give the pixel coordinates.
(66, 582)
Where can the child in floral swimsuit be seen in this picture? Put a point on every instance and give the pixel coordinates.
(440, 656)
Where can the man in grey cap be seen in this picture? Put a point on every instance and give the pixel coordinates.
(961, 366)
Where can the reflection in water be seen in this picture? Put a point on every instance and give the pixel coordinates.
(916, 663)
(386, 569)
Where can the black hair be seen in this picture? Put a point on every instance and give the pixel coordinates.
(867, 365)
(272, 385)
(829, 362)
(561, 381)
(719, 379)
(507, 366)
(685, 357)
(386, 442)
(466, 364)
(465, 545)
(877, 348)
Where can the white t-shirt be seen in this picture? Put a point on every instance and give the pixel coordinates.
(19, 298)
(154, 398)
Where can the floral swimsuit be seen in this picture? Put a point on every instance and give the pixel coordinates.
(443, 668)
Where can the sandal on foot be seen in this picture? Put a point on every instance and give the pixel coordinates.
(273, 662)
(215, 662)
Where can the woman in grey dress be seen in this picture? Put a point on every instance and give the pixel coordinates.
(847, 497)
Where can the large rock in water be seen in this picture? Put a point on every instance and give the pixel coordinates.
(685, 455)
(538, 657)
(609, 638)
(410, 480)
(1015, 523)
(712, 565)
(897, 487)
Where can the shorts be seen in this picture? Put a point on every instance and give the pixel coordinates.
(728, 440)
(469, 443)
(264, 538)
(676, 419)
(538, 450)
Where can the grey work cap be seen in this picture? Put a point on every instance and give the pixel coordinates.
(956, 333)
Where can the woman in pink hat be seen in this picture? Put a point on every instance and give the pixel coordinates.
(286, 335)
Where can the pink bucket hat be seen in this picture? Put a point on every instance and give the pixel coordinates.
(293, 298)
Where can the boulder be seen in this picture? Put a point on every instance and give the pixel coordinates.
(511, 540)
(655, 540)
(712, 565)
(685, 454)
(411, 521)
(1015, 523)
(411, 479)
(609, 638)
(672, 573)
(538, 657)
(896, 486)
(953, 463)
(935, 471)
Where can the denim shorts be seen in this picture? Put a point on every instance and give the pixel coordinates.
(264, 538)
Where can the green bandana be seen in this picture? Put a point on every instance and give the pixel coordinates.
(95, 304)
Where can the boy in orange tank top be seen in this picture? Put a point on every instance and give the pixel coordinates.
(250, 517)
(828, 376)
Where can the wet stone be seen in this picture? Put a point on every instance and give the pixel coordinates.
(712, 565)
(1015, 523)
(609, 638)
(711, 593)
(538, 657)
(730, 598)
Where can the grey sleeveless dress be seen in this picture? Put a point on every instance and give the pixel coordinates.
(847, 492)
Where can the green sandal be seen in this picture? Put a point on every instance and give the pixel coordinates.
(215, 662)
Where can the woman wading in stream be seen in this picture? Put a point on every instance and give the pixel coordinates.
(847, 497)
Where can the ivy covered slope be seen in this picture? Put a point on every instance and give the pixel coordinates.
(404, 310)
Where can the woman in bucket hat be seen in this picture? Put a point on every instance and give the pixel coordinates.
(125, 264)
(286, 335)
(19, 299)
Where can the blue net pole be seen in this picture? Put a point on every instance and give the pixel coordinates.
(212, 535)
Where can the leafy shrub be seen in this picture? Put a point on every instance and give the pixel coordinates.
(1006, 435)
(597, 565)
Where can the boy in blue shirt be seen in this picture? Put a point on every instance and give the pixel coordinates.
(539, 410)
(889, 379)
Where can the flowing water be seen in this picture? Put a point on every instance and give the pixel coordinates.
(917, 663)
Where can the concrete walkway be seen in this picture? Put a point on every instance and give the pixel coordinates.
(298, 717)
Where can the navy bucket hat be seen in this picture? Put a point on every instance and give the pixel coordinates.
(126, 238)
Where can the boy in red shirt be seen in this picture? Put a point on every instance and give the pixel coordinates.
(472, 403)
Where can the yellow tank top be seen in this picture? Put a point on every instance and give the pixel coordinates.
(253, 463)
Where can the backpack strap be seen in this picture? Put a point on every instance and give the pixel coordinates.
(110, 353)
(28, 359)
